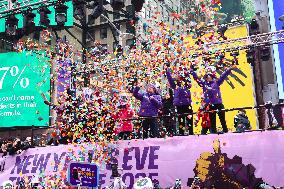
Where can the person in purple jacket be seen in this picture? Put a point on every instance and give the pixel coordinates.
(182, 100)
(212, 96)
(151, 102)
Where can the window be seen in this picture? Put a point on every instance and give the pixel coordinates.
(116, 15)
(130, 28)
(103, 33)
(102, 19)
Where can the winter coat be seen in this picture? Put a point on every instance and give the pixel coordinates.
(124, 113)
(168, 106)
(182, 95)
(205, 118)
(241, 122)
(149, 107)
(211, 90)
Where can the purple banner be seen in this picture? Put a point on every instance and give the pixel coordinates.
(64, 76)
(241, 160)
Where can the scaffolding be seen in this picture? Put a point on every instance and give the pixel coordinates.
(264, 39)
(7, 7)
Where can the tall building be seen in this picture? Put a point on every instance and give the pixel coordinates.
(103, 32)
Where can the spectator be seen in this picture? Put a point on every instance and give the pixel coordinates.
(64, 139)
(182, 99)
(151, 102)
(204, 117)
(4, 146)
(241, 121)
(168, 111)
(124, 128)
(27, 143)
(212, 96)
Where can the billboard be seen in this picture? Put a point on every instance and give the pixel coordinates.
(238, 90)
(22, 80)
(51, 16)
(276, 9)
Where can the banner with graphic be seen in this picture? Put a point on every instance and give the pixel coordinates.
(239, 82)
(233, 160)
(64, 77)
(23, 77)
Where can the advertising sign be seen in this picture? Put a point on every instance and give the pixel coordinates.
(231, 160)
(51, 16)
(22, 80)
(238, 83)
(276, 10)
(83, 174)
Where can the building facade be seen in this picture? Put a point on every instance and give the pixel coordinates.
(103, 32)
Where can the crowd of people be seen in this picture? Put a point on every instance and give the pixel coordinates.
(99, 114)
(143, 111)
(14, 146)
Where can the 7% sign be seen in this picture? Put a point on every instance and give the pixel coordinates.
(14, 72)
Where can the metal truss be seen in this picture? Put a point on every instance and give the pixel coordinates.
(8, 8)
(264, 39)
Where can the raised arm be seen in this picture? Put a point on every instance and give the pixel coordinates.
(224, 75)
(171, 95)
(196, 78)
(136, 93)
(170, 79)
(187, 79)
